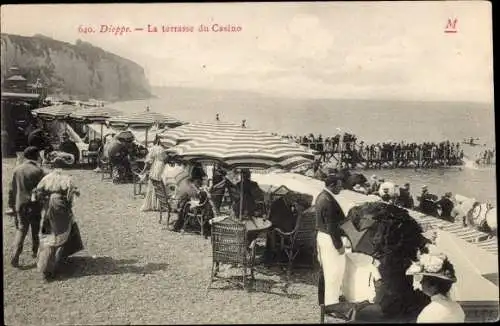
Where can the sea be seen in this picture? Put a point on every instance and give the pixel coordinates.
(370, 120)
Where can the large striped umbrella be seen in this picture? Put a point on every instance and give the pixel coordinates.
(240, 147)
(55, 111)
(235, 146)
(95, 114)
(145, 119)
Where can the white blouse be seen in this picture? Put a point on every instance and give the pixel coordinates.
(441, 310)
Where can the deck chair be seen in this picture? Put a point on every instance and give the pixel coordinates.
(229, 246)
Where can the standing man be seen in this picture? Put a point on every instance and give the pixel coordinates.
(331, 251)
(28, 213)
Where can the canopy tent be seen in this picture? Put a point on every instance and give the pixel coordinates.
(470, 263)
(54, 111)
(94, 114)
(302, 184)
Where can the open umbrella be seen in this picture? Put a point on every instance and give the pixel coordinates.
(94, 115)
(241, 147)
(378, 228)
(145, 119)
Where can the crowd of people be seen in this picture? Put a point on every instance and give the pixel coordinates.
(391, 192)
(35, 192)
(399, 154)
(486, 157)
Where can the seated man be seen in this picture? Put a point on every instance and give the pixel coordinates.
(69, 146)
(446, 205)
(117, 152)
(427, 202)
(252, 195)
(218, 187)
(405, 199)
(192, 191)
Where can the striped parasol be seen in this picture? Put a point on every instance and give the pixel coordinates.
(239, 147)
(55, 111)
(145, 119)
(203, 130)
(95, 114)
(236, 146)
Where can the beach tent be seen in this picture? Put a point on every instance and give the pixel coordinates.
(470, 263)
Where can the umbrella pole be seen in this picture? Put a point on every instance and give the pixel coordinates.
(146, 139)
(241, 194)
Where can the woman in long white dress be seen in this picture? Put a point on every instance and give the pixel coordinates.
(436, 276)
(155, 161)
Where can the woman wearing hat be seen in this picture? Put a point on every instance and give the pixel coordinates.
(155, 162)
(436, 276)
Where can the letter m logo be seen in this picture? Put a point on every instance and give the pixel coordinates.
(451, 25)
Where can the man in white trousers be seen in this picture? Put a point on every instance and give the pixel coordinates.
(331, 252)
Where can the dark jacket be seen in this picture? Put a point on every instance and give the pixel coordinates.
(329, 216)
(446, 207)
(26, 177)
(38, 139)
(405, 199)
(251, 195)
(70, 147)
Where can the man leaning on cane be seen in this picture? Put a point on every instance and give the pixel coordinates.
(331, 252)
(26, 177)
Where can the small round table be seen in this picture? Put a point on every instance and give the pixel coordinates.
(253, 225)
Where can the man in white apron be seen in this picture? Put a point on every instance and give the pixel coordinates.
(331, 252)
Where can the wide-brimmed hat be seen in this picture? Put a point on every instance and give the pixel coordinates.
(424, 187)
(433, 265)
(374, 178)
(31, 153)
(332, 179)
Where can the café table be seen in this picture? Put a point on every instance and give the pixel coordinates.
(255, 226)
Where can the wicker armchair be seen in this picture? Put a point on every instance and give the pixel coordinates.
(301, 238)
(163, 198)
(230, 246)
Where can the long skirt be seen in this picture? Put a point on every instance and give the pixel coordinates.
(49, 255)
(151, 202)
(333, 266)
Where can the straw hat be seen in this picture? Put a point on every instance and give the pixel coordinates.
(434, 265)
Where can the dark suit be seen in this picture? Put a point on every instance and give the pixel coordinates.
(25, 178)
(252, 194)
(69, 146)
(446, 207)
(329, 216)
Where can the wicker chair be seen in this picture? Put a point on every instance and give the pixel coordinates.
(230, 246)
(197, 213)
(301, 238)
(106, 169)
(163, 198)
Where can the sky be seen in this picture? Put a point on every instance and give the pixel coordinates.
(382, 50)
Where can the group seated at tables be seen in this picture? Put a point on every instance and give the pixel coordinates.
(122, 154)
(66, 155)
